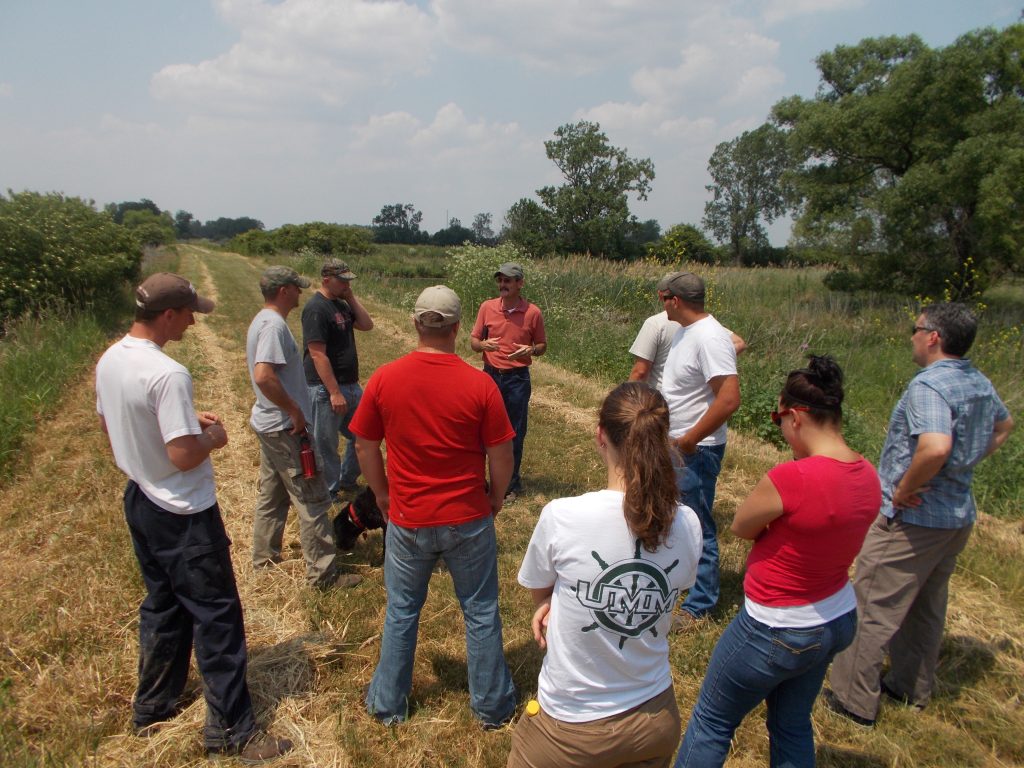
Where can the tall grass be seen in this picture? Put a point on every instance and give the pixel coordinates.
(44, 352)
(593, 309)
(38, 358)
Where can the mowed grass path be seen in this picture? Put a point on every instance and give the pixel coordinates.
(71, 589)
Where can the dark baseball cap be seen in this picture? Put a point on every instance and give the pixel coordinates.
(510, 269)
(164, 290)
(686, 285)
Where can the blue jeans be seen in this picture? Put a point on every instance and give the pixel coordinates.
(696, 483)
(470, 552)
(751, 663)
(515, 388)
(191, 604)
(326, 426)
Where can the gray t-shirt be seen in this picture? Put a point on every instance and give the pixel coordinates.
(653, 343)
(270, 341)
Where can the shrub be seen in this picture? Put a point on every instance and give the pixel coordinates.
(58, 250)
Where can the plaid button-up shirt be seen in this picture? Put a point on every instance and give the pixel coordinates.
(949, 397)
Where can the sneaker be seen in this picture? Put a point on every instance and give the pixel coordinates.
(510, 498)
(685, 622)
(833, 704)
(261, 748)
(340, 581)
(498, 726)
(901, 698)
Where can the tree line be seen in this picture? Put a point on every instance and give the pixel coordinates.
(904, 172)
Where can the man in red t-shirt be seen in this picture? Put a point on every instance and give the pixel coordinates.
(509, 331)
(444, 424)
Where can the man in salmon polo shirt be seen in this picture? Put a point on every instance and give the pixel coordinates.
(444, 424)
(509, 331)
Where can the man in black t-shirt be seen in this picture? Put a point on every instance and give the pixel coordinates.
(331, 364)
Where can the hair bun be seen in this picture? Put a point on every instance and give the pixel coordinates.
(826, 370)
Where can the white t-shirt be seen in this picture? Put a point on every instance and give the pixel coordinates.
(653, 343)
(270, 340)
(699, 353)
(145, 398)
(611, 608)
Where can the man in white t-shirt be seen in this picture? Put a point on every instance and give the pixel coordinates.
(279, 418)
(652, 344)
(702, 389)
(163, 445)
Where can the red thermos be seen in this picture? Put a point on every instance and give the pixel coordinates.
(307, 457)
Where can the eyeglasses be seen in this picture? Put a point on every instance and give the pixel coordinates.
(666, 297)
(776, 416)
(922, 328)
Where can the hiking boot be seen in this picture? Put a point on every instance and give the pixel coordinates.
(261, 748)
(833, 704)
(340, 581)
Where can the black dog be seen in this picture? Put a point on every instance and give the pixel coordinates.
(359, 516)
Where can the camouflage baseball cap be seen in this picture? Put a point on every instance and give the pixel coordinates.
(277, 277)
(336, 268)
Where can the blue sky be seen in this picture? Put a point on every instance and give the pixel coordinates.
(301, 110)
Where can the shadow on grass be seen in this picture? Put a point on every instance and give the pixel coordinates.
(964, 661)
(524, 662)
(838, 757)
(549, 487)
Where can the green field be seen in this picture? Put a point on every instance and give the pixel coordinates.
(71, 587)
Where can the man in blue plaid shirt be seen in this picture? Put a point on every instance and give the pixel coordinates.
(947, 421)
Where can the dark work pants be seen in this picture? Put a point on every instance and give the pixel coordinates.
(515, 389)
(191, 601)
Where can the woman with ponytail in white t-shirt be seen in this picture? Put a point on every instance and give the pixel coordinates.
(605, 570)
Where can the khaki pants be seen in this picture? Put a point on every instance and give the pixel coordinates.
(281, 485)
(902, 585)
(646, 736)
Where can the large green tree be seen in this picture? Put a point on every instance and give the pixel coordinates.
(747, 188)
(399, 223)
(150, 228)
(530, 227)
(591, 209)
(911, 160)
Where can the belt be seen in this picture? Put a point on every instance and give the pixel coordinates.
(518, 371)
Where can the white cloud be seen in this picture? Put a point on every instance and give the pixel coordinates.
(570, 36)
(399, 137)
(719, 69)
(775, 11)
(303, 53)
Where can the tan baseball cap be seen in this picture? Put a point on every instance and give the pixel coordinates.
(437, 307)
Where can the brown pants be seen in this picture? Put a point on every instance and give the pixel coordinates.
(902, 585)
(281, 485)
(646, 736)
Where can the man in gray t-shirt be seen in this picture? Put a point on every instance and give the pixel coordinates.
(654, 340)
(279, 418)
